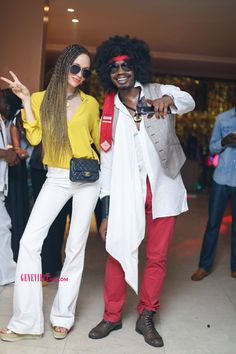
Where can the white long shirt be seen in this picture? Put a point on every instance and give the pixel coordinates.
(124, 170)
(168, 195)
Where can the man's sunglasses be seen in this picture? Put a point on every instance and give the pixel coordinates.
(125, 66)
(75, 69)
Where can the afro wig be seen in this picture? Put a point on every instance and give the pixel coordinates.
(136, 49)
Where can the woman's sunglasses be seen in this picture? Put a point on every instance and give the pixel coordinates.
(75, 69)
(125, 66)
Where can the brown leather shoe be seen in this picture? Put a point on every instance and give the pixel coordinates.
(199, 274)
(145, 326)
(233, 274)
(104, 328)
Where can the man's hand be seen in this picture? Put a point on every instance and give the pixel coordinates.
(11, 157)
(103, 229)
(161, 105)
(229, 139)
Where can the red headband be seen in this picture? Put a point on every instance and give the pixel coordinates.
(118, 58)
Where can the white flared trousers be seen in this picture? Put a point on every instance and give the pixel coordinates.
(27, 303)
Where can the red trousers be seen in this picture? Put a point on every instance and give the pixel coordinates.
(158, 236)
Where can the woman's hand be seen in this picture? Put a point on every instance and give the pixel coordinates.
(103, 229)
(17, 87)
(21, 153)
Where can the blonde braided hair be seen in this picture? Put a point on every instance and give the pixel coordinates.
(55, 140)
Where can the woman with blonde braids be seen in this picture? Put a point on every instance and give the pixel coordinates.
(66, 121)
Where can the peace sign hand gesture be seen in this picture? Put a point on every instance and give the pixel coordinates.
(17, 87)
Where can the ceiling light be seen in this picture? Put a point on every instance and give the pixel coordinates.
(70, 10)
(46, 8)
(75, 20)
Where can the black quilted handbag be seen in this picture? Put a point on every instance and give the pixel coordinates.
(84, 170)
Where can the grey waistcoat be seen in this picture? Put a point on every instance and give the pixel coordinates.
(162, 134)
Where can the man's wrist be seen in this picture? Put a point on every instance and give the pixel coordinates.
(105, 203)
(171, 105)
(2, 154)
(224, 141)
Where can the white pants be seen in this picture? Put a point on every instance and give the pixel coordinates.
(56, 191)
(7, 265)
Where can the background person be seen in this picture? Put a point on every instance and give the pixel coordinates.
(17, 201)
(223, 142)
(8, 157)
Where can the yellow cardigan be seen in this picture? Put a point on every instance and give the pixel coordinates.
(83, 129)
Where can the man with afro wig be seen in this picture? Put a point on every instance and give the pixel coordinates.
(142, 189)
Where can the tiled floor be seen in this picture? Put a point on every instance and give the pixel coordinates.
(195, 317)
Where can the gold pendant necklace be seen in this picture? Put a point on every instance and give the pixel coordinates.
(137, 117)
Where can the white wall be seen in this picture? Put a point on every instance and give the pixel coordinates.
(22, 40)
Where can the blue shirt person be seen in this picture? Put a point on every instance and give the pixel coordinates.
(223, 142)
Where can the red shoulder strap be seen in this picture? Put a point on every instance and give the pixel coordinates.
(107, 121)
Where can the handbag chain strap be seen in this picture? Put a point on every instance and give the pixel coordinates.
(93, 155)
